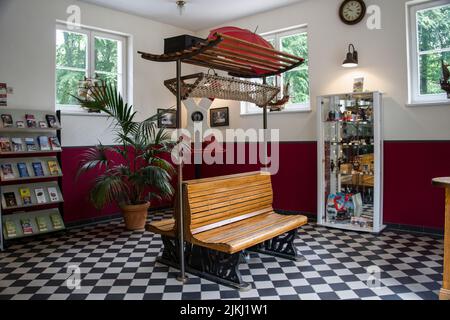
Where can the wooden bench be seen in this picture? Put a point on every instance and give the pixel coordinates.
(223, 217)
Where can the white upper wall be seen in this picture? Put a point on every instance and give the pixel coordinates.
(27, 51)
(383, 63)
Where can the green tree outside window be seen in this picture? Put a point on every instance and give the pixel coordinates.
(433, 27)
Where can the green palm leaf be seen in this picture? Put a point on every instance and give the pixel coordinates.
(141, 146)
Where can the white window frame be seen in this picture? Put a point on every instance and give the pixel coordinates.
(251, 109)
(414, 95)
(90, 63)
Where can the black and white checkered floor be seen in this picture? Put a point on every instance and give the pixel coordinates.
(116, 264)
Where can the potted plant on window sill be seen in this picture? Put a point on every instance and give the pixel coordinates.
(134, 171)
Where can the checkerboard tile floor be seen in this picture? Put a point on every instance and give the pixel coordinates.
(116, 264)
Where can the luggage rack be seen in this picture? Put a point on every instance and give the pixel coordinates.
(238, 57)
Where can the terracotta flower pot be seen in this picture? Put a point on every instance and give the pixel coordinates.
(135, 216)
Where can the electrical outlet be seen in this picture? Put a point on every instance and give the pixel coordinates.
(10, 90)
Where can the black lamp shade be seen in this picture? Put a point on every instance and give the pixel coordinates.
(352, 58)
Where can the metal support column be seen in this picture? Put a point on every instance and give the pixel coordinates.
(265, 127)
(182, 276)
(265, 109)
(2, 248)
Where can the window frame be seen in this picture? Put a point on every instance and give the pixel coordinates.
(90, 61)
(276, 36)
(414, 95)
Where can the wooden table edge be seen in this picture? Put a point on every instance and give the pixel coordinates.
(441, 182)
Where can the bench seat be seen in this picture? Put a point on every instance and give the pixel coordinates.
(244, 234)
(164, 227)
(225, 217)
(239, 235)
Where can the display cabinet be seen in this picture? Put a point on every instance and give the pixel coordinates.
(350, 154)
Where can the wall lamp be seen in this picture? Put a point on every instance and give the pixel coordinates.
(352, 58)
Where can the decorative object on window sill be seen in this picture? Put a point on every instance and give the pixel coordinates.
(352, 57)
(445, 84)
(278, 105)
(87, 88)
(181, 4)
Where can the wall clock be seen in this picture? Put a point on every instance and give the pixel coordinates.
(197, 116)
(352, 11)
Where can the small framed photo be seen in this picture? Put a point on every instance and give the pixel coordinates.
(7, 120)
(167, 119)
(220, 117)
(43, 125)
(358, 85)
(52, 121)
(20, 124)
(3, 95)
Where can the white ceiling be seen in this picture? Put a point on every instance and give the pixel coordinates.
(198, 15)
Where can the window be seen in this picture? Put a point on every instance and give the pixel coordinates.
(429, 41)
(294, 42)
(87, 53)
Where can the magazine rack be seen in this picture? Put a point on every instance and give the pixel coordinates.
(30, 175)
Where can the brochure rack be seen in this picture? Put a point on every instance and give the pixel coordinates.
(30, 174)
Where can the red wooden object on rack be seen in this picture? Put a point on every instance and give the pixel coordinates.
(239, 57)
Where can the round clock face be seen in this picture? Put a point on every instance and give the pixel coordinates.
(352, 11)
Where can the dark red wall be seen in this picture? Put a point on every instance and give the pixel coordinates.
(409, 198)
(76, 190)
(295, 185)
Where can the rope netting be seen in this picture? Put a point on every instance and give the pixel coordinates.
(204, 85)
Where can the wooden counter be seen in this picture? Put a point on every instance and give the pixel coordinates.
(445, 291)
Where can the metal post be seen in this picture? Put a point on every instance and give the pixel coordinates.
(1, 230)
(182, 276)
(265, 109)
(59, 158)
(265, 126)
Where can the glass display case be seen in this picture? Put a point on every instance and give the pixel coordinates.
(350, 157)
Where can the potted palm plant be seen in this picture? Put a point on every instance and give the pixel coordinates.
(134, 171)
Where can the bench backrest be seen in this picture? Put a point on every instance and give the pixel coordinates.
(215, 202)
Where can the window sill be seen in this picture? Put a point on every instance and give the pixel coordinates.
(429, 104)
(82, 113)
(275, 113)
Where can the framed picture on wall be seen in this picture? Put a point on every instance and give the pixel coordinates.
(3, 95)
(167, 119)
(220, 117)
(358, 85)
